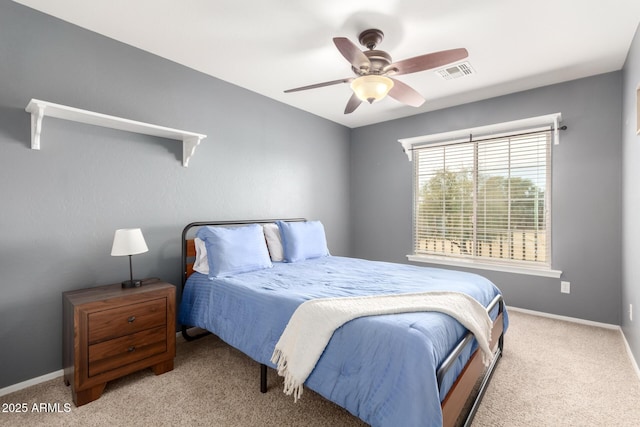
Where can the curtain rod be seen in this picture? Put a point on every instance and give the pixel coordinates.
(551, 129)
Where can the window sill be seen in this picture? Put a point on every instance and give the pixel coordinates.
(532, 271)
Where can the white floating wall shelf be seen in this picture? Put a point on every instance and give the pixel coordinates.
(40, 109)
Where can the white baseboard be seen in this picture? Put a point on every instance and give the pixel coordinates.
(565, 318)
(630, 354)
(32, 381)
(632, 359)
(38, 380)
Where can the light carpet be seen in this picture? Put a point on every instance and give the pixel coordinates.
(553, 373)
(557, 373)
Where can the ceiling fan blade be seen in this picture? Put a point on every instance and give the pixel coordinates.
(427, 62)
(405, 94)
(351, 52)
(353, 103)
(317, 85)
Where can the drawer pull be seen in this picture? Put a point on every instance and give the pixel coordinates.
(131, 349)
(131, 319)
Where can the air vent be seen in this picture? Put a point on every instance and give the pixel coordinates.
(455, 71)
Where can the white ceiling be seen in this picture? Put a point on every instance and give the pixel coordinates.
(267, 46)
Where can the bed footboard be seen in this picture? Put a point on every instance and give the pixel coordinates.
(461, 391)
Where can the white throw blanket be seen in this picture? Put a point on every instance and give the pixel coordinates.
(313, 323)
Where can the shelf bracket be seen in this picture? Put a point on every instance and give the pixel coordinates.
(37, 114)
(189, 144)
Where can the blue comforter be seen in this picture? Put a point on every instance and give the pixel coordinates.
(379, 368)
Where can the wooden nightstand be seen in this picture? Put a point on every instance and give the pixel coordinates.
(109, 332)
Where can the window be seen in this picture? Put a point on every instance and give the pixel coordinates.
(485, 200)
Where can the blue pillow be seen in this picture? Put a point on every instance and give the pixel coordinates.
(233, 250)
(303, 240)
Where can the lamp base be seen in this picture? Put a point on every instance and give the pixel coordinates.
(131, 284)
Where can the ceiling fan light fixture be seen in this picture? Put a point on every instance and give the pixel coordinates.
(372, 87)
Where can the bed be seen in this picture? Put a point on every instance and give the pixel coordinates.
(415, 368)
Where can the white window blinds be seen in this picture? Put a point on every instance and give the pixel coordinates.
(485, 200)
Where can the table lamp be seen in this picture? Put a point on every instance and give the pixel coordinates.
(129, 241)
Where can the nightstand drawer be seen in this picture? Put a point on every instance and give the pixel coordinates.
(116, 322)
(121, 351)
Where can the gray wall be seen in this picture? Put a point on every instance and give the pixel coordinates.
(61, 205)
(586, 202)
(631, 198)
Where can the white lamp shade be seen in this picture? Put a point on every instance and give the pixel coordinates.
(128, 241)
(372, 87)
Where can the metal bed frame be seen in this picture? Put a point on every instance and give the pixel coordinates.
(448, 419)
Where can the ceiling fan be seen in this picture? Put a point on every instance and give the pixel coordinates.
(373, 70)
